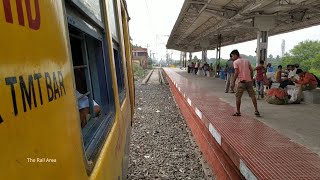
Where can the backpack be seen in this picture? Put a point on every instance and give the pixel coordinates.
(317, 79)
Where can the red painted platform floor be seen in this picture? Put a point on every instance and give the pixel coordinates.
(254, 149)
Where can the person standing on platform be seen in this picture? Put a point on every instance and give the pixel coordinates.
(269, 68)
(261, 72)
(196, 67)
(206, 68)
(230, 74)
(189, 68)
(244, 74)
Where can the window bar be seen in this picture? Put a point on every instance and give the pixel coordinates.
(88, 78)
(106, 52)
(83, 95)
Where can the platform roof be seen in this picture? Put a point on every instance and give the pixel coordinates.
(201, 21)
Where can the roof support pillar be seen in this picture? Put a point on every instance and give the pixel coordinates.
(204, 55)
(262, 47)
(181, 59)
(264, 24)
(185, 59)
(218, 55)
(204, 44)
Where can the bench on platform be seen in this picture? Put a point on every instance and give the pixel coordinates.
(312, 96)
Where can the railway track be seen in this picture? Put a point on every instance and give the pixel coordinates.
(155, 76)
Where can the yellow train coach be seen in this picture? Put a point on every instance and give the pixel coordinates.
(66, 86)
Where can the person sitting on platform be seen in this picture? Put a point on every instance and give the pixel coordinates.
(277, 75)
(293, 72)
(84, 110)
(291, 75)
(307, 80)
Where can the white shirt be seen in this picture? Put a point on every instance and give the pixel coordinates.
(84, 101)
(293, 74)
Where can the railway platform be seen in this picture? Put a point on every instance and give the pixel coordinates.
(282, 144)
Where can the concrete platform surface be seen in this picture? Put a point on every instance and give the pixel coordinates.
(283, 144)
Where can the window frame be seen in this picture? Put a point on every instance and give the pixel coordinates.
(95, 132)
(119, 66)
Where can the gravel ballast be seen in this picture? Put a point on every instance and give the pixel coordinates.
(161, 144)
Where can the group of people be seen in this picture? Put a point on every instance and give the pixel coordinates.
(295, 76)
(197, 66)
(240, 72)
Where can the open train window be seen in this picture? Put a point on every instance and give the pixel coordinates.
(119, 71)
(93, 89)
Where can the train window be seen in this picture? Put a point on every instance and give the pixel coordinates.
(93, 89)
(119, 71)
(112, 18)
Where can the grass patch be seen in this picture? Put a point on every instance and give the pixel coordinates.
(138, 71)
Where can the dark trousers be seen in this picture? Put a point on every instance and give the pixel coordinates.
(285, 83)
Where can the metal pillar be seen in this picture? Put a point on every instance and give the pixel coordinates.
(218, 53)
(185, 59)
(190, 57)
(204, 55)
(181, 59)
(262, 46)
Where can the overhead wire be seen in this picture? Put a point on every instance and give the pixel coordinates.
(150, 22)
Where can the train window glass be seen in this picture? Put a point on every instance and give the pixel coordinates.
(119, 71)
(91, 8)
(112, 19)
(93, 89)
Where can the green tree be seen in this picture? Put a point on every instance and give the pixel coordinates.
(250, 58)
(195, 58)
(150, 62)
(271, 57)
(135, 46)
(305, 54)
(315, 65)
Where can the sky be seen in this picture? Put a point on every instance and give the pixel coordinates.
(152, 22)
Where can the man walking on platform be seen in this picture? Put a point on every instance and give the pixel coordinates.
(244, 74)
(230, 74)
